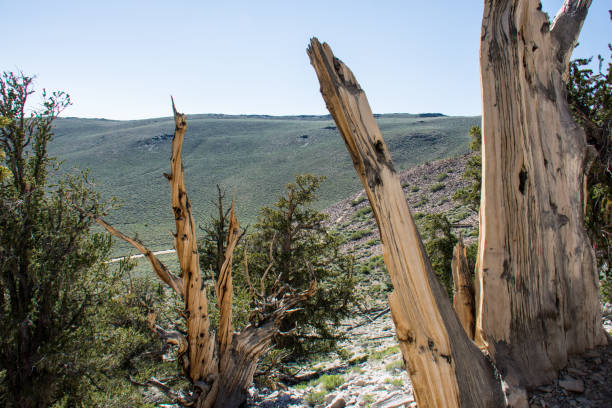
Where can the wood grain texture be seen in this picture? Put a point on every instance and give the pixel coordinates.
(463, 289)
(537, 279)
(445, 367)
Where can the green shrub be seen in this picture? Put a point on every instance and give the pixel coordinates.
(379, 354)
(439, 243)
(421, 202)
(295, 236)
(356, 369)
(315, 398)
(368, 398)
(372, 242)
(362, 213)
(331, 382)
(395, 365)
(358, 235)
(437, 187)
(441, 176)
(414, 189)
(358, 200)
(394, 381)
(344, 354)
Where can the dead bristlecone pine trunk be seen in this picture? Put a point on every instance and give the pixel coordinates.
(463, 289)
(445, 366)
(219, 365)
(537, 279)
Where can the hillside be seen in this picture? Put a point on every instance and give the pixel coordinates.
(256, 154)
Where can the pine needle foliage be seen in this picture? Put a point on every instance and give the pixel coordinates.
(589, 94)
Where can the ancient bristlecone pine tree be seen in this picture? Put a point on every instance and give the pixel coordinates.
(537, 289)
(537, 276)
(445, 366)
(221, 365)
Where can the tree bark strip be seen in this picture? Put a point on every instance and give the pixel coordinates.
(537, 278)
(463, 291)
(445, 367)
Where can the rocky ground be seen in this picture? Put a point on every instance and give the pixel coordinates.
(374, 377)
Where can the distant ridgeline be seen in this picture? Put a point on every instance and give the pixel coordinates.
(257, 154)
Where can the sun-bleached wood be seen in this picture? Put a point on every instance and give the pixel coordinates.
(463, 289)
(537, 279)
(445, 367)
(220, 366)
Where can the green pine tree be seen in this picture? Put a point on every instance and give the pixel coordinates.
(63, 336)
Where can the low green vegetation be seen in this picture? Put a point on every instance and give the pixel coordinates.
(331, 382)
(437, 187)
(439, 243)
(372, 242)
(356, 235)
(422, 201)
(380, 354)
(394, 381)
(356, 369)
(358, 200)
(470, 195)
(396, 365)
(368, 398)
(363, 214)
(441, 177)
(315, 397)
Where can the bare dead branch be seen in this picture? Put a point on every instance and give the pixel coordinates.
(246, 271)
(160, 269)
(224, 286)
(567, 25)
(262, 282)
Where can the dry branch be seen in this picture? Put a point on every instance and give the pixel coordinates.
(160, 269)
(445, 367)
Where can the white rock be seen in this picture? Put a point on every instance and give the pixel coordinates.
(330, 397)
(338, 402)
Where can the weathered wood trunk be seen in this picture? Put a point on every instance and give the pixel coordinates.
(538, 287)
(220, 366)
(463, 289)
(445, 367)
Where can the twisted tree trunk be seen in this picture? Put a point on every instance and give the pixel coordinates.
(538, 286)
(221, 365)
(445, 367)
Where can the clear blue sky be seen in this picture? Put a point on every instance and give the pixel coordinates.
(122, 59)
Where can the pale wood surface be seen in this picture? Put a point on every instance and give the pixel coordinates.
(463, 289)
(537, 279)
(445, 367)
